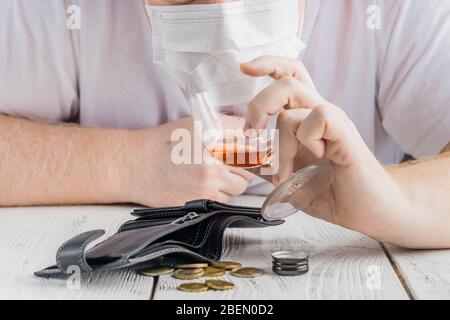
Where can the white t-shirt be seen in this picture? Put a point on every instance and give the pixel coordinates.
(394, 83)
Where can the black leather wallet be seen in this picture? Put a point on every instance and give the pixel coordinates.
(158, 236)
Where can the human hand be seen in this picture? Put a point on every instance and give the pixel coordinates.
(363, 195)
(153, 179)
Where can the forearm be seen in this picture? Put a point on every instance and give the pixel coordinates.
(45, 164)
(424, 222)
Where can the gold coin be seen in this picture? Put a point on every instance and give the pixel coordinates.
(219, 285)
(192, 266)
(214, 272)
(157, 271)
(227, 265)
(248, 272)
(193, 287)
(188, 274)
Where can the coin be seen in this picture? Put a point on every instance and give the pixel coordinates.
(219, 285)
(188, 274)
(214, 272)
(306, 267)
(193, 287)
(248, 272)
(157, 271)
(290, 257)
(227, 265)
(289, 265)
(299, 255)
(290, 273)
(192, 266)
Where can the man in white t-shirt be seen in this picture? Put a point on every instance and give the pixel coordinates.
(390, 79)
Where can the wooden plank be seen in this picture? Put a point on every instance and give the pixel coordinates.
(342, 263)
(426, 273)
(29, 238)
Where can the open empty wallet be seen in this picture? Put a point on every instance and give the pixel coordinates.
(167, 236)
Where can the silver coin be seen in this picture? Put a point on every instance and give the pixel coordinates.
(290, 257)
(290, 273)
(289, 265)
(290, 269)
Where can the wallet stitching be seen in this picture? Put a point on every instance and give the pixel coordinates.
(50, 271)
(158, 215)
(208, 228)
(199, 246)
(80, 255)
(196, 236)
(102, 244)
(220, 239)
(192, 243)
(132, 222)
(158, 253)
(227, 222)
(61, 247)
(131, 232)
(157, 210)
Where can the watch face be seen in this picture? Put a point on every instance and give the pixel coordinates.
(298, 192)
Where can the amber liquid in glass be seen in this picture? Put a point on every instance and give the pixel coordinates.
(239, 154)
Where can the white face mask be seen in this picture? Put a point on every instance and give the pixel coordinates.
(202, 46)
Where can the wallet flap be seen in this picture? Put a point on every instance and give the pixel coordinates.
(72, 252)
(128, 243)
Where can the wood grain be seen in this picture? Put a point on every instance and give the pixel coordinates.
(339, 264)
(426, 273)
(29, 238)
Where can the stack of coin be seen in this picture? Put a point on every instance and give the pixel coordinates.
(290, 263)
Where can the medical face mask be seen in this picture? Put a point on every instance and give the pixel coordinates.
(202, 46)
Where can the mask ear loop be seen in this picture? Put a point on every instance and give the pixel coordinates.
(301, 14)
(144, 5)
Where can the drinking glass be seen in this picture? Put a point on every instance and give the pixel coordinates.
(219, 95)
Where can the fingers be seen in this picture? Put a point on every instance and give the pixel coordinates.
(233, 184)
(312, 133)
(221, 197)
(288, 92)
(277, 68)
(327, 132)
(288, 124)
(243, 173)
(257, 172)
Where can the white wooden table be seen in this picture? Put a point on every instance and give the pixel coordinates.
(343, 264)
